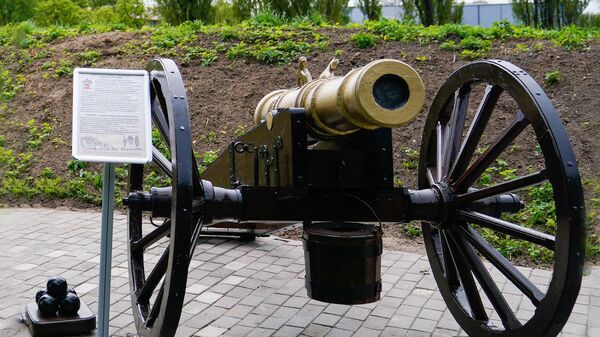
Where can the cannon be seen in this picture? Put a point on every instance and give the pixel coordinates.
(322, 154)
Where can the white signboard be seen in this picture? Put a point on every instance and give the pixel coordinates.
(111, 116)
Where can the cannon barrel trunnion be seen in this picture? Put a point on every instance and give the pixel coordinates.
(322, 155)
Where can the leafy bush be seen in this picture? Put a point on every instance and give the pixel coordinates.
(130, 12)
(266, 19)
(57, 12)
(364, 40)
(89, 58)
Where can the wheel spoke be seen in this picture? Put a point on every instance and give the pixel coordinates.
(145, 292)
(152, 237)
(503, 265)
(439, 151)
(498, 146)
(509, 320)
(455, 127)
(196, 182)
(502, 188)
(162, 162)
(160, 121)
(156, 307)
(469, 288)
(480, 120)
(195, 235)
(509, 228)
(159, 117)
(449, 267)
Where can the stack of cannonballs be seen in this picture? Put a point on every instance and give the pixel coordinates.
(57, 297)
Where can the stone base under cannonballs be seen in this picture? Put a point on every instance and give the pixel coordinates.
(58, 325)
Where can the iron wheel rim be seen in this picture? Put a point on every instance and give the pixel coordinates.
(170, 116)
(554, 308)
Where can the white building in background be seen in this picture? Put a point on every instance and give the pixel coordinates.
(475, 12)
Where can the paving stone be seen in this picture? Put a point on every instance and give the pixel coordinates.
(349, 324)
(366, 332)
(421, 324)
(316, 330)
(288, 331)
(210, 331)
(358, 313)
(335, 332)
(327, 320)
(238, 331)
(261, 332)
(244, 289)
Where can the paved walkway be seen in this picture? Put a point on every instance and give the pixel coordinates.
(237, 289)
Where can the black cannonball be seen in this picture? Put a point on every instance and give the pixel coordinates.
(39, 294)
(48, 305)
(57, 287)
(71, 291)
(70, 305)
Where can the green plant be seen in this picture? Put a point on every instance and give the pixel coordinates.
(412, 231)
(9, 85)
(61, 12)
(240, 130)
(552, 77)
(364, 40)
(130, 12)
(449, 45)
(208, 158)
(76, 166)
(64, 69)
(89, 58)
(520, 48)
(412, 158)
(37, 134)
(472, 55)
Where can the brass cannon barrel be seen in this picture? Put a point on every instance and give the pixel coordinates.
(384, 93)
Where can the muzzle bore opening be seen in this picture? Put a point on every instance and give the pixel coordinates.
(391, 91)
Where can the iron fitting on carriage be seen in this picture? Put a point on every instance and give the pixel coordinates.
(436, 204)
(216, 204)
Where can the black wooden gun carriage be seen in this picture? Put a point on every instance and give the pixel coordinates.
(322, 155)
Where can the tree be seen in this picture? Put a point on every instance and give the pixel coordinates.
(333, 10)
(548, 14)
(61, 12)
(370, 8)
(410, 11)
(130, 12)
(100, 3)
(301, 7)
(178, 11)
(438, 12)
(16, 10)
(244, 9)
(280, 7)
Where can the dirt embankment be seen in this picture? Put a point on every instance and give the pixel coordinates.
(223, 95)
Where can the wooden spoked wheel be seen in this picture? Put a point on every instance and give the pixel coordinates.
(467, 267)
(159, 255)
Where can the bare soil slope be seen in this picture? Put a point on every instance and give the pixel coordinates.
(223, 95)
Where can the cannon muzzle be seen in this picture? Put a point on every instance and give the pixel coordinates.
(384, 93)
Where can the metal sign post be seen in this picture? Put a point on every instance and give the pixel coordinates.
(111, 124)
(108, 202)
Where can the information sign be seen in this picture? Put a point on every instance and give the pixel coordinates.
(111, 116)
